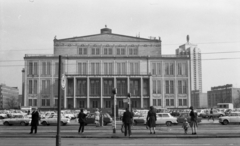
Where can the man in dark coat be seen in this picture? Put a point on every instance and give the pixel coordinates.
(127, 120)
(35, 120)
(82, 121)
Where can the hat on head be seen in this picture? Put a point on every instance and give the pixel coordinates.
(191, 107)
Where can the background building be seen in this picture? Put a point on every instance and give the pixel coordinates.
(223, 94)
(199, 100)
(9, 97)
(95, 64)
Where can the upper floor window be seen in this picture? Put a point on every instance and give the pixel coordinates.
(108, 68)
(94, 87)
(156, 87)
(46, 88)
(107, 86)
(134, 68)
(169, 87)
(169, 68)
(82, 68)
(182, 87)
(182, 68)
(95, 68)
(82, 51)
(122, 87)
(107, 51)
(95, 51)
(33, 68)
(133, 51)
(57, 68)
(46, 68)
(156, 68)
(121, 68)
(32, 86)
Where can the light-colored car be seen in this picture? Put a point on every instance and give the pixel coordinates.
(17, 120)
(233, 117)
(165, 118)
(52, 120)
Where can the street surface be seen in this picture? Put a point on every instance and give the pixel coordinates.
(121, 142)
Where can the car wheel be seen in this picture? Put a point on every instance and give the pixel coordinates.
(225, 122)
(44, 123)
(6, 124)
(168, 123)
(22, 123)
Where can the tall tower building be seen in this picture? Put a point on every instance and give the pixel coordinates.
(196, 63)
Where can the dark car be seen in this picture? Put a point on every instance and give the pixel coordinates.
(90, 119)
(182, 116)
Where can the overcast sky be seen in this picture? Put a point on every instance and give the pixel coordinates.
(29, 27)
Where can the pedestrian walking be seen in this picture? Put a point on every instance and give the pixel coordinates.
(151, 120)
(127, 121)
(211, 115)
(81, 121)
(193, 121)
(97, 117)
(35, 120)
(185, 125)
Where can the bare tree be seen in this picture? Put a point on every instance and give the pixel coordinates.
(12, 102)
(236, 102)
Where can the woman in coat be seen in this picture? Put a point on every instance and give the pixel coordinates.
(151, 120)
(193, 122)
(82, 121)
(35, 120)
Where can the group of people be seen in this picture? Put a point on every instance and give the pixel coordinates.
(151, 121)
(127, 120)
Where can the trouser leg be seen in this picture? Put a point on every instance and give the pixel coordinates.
(129, 129)
(35, 128)
(125, 127)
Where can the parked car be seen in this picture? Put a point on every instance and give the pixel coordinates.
(139, 119)
(166, 118)
(233, 117)
(216, 113)
(17, 120)
(184, 115)
(52, 120)
(90, 119)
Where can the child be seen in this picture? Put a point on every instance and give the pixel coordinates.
(185, 125)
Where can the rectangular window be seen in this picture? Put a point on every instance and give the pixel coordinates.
(110, 51)
(30, 72)
(94, 87)
(119, 68)
(135, 51)
(184, 102)
(179, 68)
(134, 104)
(159, 102)
(70, 87)
(145, 87)
(131, 68)
(30, 102)
(82, 104)
(35, 87)
(105, 51)
(180, 102)
(154, 68)
(43, 102)
(98, 69)
(134, 68)
(81, 87)
(171, 87)
(30, 87)
(34, 102)
(166, 68)
(154, 102)
(135, 87)
(171, 68)
(92, 68)
(107, 87)
(85, 51)
(35, 68)
(158, 87)
(167, 102)
(159, 68)
(130, 51)
(179, 87)
(95, 104)
(184, 85)
(167, 87)
(43, 68)
(93, 51)
(80, 51)
(121, 87)
(97, 51)
(118, 51)
(122, 51)
(172, 102)
(48, 68)
(154, 87)
(82, 68)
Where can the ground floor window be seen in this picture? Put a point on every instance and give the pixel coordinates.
(120, 104)
(169, 102)
(94, 104)
(45, 102)
(32, 102)
(108, 104)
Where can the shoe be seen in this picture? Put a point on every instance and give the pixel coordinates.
(154, 132)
